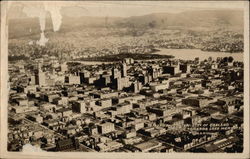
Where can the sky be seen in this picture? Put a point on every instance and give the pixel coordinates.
(59, 9)
(23, 9)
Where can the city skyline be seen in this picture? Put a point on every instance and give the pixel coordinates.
(141, 77)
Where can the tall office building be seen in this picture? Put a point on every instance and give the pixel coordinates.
(136, 86)
(32, 80)
(64, 67)
(121, 82)
(106, 79)
(128, 61)
(116, 73)
(154, 71)
(124, 69)
(83, 76)
(40, 77)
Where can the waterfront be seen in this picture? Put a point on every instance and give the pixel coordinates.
(190, 54)
(183, 54)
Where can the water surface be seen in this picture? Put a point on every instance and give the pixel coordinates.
(191, 54)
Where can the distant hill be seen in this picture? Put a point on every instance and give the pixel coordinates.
(19, 28)
(207, 18)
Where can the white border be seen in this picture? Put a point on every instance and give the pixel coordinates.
(4, 101)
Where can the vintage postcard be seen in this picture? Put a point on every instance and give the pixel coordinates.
(125, 79)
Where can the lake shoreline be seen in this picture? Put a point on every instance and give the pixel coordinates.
(191, 54)
(182, 54)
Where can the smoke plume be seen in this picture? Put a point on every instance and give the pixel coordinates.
(40, 9)
(42, 21)
(43, 40)
(55, 14)
(56, 18)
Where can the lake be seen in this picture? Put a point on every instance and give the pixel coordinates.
(191, 54)
(183, 54)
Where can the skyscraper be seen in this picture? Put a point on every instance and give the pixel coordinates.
(64, 67)
(40, 78)
(124, 69)
(115, 73)
(136, 86)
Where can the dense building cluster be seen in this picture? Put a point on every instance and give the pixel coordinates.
(164, 105)
(94, 42)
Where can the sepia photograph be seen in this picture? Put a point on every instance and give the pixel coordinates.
(108, 79)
